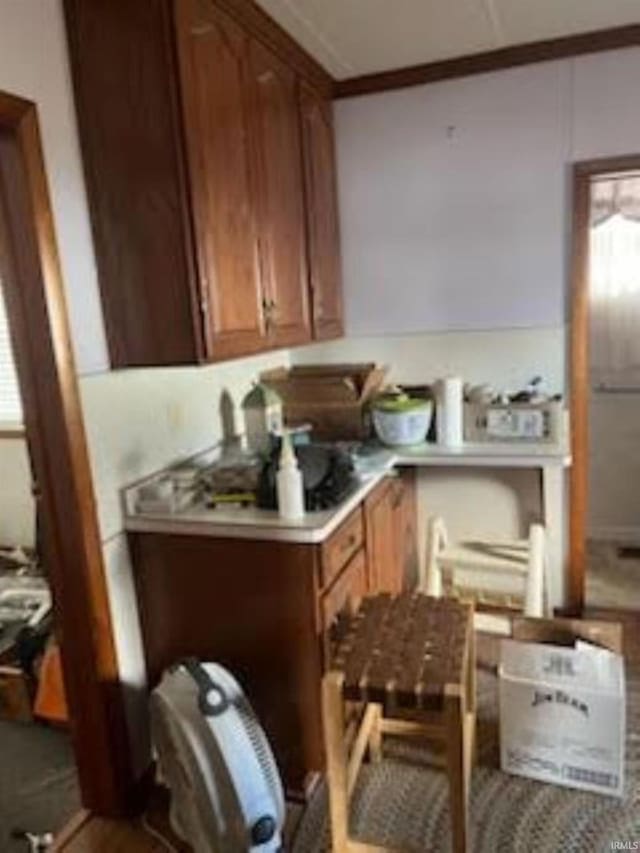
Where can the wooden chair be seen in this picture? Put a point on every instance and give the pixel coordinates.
(408, 662)
(507, 574)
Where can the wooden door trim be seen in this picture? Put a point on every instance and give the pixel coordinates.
(492, 60)
(583, 173)
(54, 423)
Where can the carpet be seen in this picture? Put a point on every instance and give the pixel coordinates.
(38, 786)
(611, 579)
(404, 804)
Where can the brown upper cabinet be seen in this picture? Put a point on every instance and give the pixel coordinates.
(208, 149)
(280, 199)
(323, 237)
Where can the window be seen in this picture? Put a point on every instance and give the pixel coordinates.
(10, 403)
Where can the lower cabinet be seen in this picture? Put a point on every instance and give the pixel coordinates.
(272, 612)
(390, 523)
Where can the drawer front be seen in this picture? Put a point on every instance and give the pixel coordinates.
(339, 604)
(340, 548)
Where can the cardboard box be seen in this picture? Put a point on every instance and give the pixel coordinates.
(563, 703)
(333, 398)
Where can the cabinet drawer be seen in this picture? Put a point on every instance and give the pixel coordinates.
(340, 548)
(345, 595)
(339, 604)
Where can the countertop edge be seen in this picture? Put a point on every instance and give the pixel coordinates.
(278, 532)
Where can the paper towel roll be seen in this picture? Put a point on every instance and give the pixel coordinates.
(449, 412)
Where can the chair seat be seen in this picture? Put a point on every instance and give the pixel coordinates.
(492, 557)
(404, 651)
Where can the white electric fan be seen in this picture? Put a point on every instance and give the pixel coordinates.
(226, 793)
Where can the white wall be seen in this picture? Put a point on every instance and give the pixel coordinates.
(137, 422)
(454, 196)
(33, 65)
(17, 508)
(509, 358)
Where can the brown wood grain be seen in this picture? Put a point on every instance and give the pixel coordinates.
(250, 606)
(279, 197)
(127, 99)
(72, 548)
(323, 230)
(341, 546)
(386, 523)
(493, 60)
(191, 144)
(263, 27)
(214, 68)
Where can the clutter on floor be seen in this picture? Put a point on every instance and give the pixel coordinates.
(25, 630)
(38, 786)
(402, 802)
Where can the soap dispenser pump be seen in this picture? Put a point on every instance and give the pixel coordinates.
(289, 485)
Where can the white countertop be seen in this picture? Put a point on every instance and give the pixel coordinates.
(252, 523)
(261, 524)
(485, 455)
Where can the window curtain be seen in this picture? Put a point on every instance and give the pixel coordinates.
(615, 283)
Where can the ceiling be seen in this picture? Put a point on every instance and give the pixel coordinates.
(354, 37)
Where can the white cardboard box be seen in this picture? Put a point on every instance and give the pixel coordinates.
(562, 715)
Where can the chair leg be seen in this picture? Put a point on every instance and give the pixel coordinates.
(471, 697)
(458, 766)
(336, 754)
(375, 738)
(534, 595)
(436, 540)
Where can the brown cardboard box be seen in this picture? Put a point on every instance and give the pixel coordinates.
(333, 398)
(564, 632)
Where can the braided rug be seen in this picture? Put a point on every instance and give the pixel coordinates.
(403, 802)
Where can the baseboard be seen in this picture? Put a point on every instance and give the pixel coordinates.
(624, 534)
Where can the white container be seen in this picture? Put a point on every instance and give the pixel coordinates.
(289, 483)
(399, 422)
(562, 715)
(449, 412)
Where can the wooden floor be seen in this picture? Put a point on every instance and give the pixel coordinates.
(87, 833)
(97, 835)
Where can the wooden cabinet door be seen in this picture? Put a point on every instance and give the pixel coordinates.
(323, 237)
(403, 505)
(213, 56)
(279, 198)
(382, 539)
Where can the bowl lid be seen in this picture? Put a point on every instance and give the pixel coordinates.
(401, 404)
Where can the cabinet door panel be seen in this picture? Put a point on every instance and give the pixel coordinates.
(381, 539)
(322, 213)
(214, 59)
(280, 200)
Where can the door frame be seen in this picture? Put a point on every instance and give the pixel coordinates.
(583, 173)
(41, 338)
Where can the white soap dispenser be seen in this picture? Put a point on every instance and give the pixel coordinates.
(289, 485)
